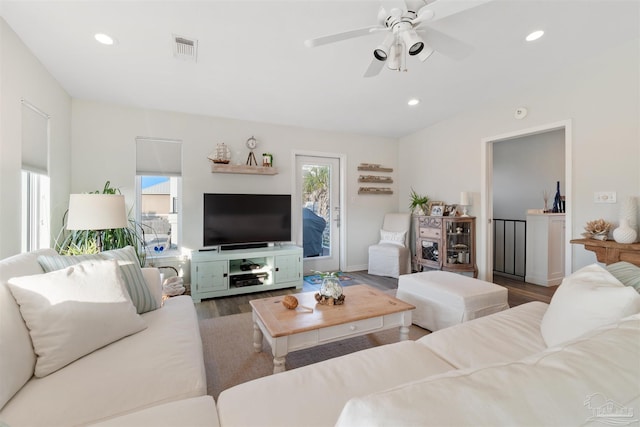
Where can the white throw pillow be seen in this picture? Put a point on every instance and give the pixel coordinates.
(74, 311)
(129, 268)
(393, 237)
(589, 298)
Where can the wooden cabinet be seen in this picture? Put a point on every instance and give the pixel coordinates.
(215, 274)
(545, 249)
(445, 243)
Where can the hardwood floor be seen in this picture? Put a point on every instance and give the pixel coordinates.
(522, 292)
(519, 293)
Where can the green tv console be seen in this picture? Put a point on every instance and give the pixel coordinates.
(221, 273)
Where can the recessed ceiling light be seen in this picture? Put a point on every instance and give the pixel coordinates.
(535, 35)
(104, 39)
(413, 102)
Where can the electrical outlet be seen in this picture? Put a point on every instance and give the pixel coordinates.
(604, 197)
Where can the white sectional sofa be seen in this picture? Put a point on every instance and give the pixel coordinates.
(573, 362)
(150, 377)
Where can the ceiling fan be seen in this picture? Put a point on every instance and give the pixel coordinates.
(403, 20)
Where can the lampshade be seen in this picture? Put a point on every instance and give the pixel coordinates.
(465, 198)
(96, 212)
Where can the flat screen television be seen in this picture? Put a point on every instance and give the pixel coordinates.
(246, 219)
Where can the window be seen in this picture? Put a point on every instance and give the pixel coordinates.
(35, 211)
(34, 147)
(158, 195)
(158, 214)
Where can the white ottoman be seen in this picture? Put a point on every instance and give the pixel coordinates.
(444, 299)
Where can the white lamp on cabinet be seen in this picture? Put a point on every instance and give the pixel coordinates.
(465, 202)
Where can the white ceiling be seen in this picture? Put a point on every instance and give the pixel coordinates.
(252, 63)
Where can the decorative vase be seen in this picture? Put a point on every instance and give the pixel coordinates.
(629, 211)
(331, 287)
(556, 199)
(624, 233)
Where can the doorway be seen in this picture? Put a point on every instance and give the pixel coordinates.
(318, 195)
(486, 228)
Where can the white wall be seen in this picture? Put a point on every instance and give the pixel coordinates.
(23, 77)
(522, 169)
(600, 97)
(103, 149)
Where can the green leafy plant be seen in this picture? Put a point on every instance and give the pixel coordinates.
(418, 201)
(79, 242)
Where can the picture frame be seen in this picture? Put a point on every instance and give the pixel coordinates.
(450, 210)
(436, 208)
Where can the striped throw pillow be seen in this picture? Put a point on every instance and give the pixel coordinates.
(129, 268)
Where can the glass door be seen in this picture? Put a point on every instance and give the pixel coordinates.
(318, 187)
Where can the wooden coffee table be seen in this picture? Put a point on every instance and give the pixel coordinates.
(364, 311)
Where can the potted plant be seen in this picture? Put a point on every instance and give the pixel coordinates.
(78, 242)
(418, 203)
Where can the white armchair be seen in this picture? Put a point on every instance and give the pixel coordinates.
(392, 256)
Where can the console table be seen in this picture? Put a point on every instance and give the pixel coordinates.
(609, 251)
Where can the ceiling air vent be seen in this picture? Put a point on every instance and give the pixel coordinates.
(185, 48)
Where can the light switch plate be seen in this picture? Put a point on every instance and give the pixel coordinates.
(604, 197)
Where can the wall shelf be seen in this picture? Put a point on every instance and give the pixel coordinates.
(375, 179)
(375, 190)
(373, 168)
(244, 169)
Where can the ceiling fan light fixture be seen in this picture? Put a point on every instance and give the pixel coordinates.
(394, 57)
(426, 52)
(381, 53)
(413, 41)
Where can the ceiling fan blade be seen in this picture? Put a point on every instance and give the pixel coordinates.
(374, 68)
(446, 44)
(390, 5)
(443, 8)
(425, 14)
(342, 36)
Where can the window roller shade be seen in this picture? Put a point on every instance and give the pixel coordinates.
(162, 157)
(35, 139)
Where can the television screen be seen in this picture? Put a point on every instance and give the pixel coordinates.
(246, 218)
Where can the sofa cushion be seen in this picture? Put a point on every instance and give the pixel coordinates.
(315, 394)
(577, 384)
(518, 326)
(160, 364)
(74, 311)
(194, 412)
(627, 273)
(589, 298)
(142, 298)
(17, 359)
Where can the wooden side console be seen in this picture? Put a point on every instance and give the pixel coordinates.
(609, 251)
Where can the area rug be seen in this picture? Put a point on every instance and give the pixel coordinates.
(229, 357)
(316, 279)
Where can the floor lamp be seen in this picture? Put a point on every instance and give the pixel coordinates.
(96, 212)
